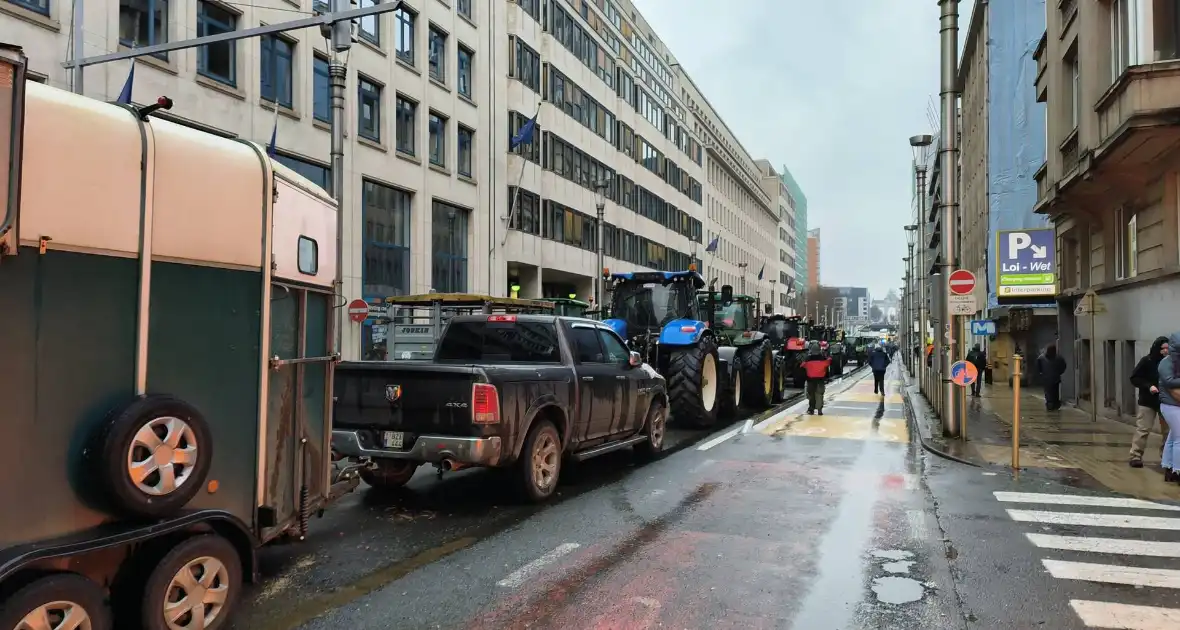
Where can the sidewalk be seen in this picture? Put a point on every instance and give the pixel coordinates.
(1062, 439)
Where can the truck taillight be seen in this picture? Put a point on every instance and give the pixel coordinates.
(485, 404)
(795, 343)
(502, 318)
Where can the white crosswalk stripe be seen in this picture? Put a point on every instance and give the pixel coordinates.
(1115, 557)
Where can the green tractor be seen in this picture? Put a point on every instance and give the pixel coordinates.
(569, 307)
(736, 324)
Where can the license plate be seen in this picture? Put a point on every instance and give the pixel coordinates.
(392, 439)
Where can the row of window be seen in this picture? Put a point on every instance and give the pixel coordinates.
(566, 30)
(386, 214)
(577, 166)
(556, 222)
(406, 130)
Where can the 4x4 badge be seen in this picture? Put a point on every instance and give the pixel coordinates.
(393, 393)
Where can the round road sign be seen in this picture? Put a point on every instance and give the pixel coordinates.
(358, 310)
(962, 282)
(964, 373)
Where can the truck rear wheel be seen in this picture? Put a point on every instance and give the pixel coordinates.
(757, 366)
(654, 428)
(65, 600)
(196, 585)
(694, 383)
(540, 462)
(390, 473)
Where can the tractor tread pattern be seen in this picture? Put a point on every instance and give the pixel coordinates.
(750, 363)
(684, 384)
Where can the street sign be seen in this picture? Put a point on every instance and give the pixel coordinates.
(964, 373)
(358, 310)
(962, 282)
(1026, 264)
(1089, 304)
(983, 327)
(963, 304)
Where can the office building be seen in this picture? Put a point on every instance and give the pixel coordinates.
(783, 285)
(813, 277)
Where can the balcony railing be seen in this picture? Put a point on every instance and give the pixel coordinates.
(1069, 152)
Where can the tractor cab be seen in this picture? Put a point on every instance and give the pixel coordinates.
(734, 318)
(644, 303)
(570, 307)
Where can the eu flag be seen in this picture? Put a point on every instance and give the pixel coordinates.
(712, 246)
(524, 135)
(125, 95)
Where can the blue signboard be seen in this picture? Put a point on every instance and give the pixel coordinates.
(983, 327)
(1026, 265)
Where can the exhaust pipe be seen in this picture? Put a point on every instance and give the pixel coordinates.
(450, 465)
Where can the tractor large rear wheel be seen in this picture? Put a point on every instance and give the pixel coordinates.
(694, 384)
(757, 366)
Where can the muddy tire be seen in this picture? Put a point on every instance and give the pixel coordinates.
(695, 384)
(780, 381)
(390, 473)
(49, 601)
(731, 392)
(655, 427)
(539, 466)
(196, 584)
(756, 364)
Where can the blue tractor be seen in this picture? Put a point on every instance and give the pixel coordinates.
(658, 314)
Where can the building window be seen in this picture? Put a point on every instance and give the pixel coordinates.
(386, 240)
(437, 48)
(407, 114)
(370, 25)
(1121, 45)
(532, 7)
(217, 61)
(141, 22)
(525, 64)
(464, 69)
(1127, 243)
(369, 104)
(321, 90)
(40, 6)
(405, 34)
(449, 239)
(531, 150)
(524, 211)
(1073, 93)
(438, 140)
(1165, 17)
(317, 174)
(464, 8)
(277, 69)
(465, 139)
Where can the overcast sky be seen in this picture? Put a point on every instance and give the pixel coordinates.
(833, 89)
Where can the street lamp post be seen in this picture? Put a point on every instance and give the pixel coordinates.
(599, 234)
(742, 266)
(919, 144)
(949, 188)
(911, 232)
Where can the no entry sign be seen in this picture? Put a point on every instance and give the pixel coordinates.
(358, 310)
(962, 282)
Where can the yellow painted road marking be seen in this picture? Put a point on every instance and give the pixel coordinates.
(842, 428)
(895, 399)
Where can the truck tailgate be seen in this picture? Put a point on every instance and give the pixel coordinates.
(415, 397)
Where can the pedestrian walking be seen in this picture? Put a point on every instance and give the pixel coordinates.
(1146, 378)
(978, 358)
(878, 363)
(1169, 392)
(816, 366)
(1051, 367)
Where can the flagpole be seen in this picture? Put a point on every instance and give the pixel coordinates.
(519, 180)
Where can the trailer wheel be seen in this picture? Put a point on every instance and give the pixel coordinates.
(155, 455)
(56, 602)
(540, 462)
(390, 473)
(695, 384)
(195, 586)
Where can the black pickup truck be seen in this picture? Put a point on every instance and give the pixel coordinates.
(516, 391)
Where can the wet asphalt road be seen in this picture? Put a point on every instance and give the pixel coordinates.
(782, 521)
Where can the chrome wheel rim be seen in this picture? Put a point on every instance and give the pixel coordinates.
(58, 615)
(656, 432)
(196, 595)
(545, 461)
(162, 456)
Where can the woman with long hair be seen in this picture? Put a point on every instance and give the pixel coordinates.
(1169, 386)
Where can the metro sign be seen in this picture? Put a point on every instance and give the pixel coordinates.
(962, 282)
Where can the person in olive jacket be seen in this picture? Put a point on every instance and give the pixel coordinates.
(1146, 378)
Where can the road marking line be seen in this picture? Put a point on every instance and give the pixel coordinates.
(1113, 574)
(1125, 616)
(793, 409)
(917, 521)
(746, 427)
(719, 439)
(1074, 499)
(518, 577)
(1120, 546)
(1097, 520)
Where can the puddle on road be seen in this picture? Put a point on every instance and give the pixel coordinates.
(893, 554)
(897, 590)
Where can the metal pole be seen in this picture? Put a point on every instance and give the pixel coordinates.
(923, 269)
(79, 49)
(601, 208)
(1016, 413)
(1093, 352)
(337, 77)
(949, 33)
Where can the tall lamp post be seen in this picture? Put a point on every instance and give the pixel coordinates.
(911, 235)
(920, 144)
(599, 239)
(742, 266)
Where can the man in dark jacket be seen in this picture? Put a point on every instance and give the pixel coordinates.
(816, 366)
(1146, 378)
(978, 358)
(1051, 367)
(878, 363)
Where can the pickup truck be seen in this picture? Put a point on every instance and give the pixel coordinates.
(502, 391)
